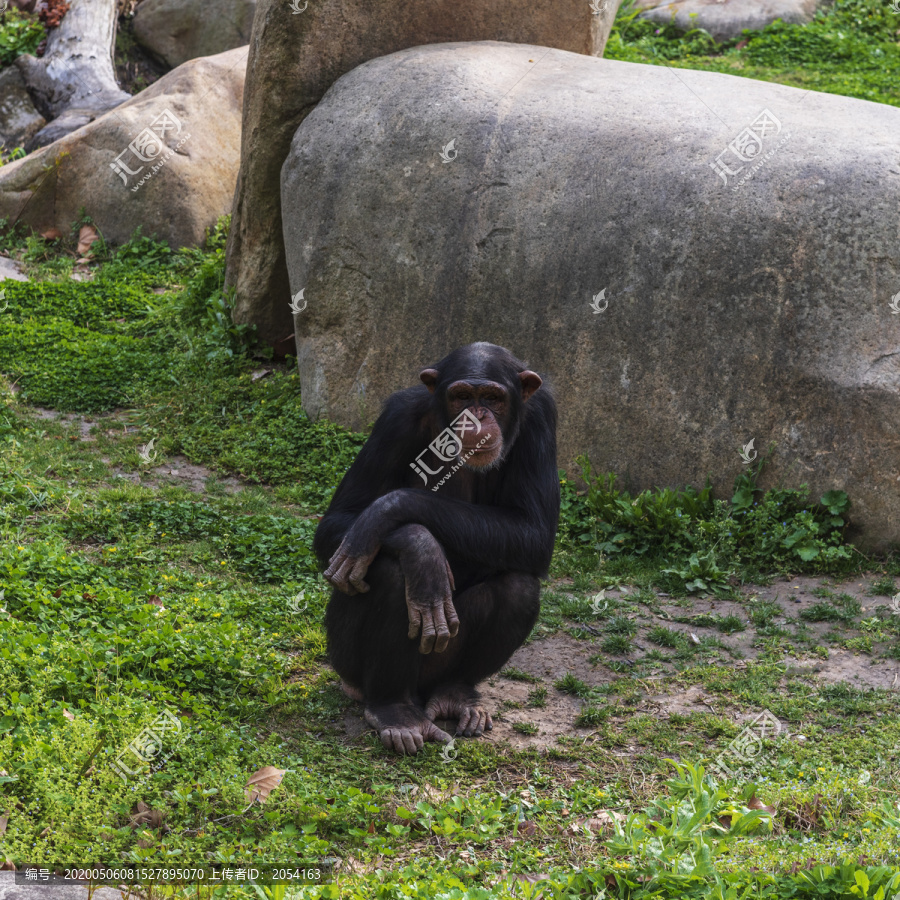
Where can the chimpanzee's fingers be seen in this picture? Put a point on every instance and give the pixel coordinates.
(358, 573)
(441, 630)
(452, 617)
(489, 722)
(426, 644)
(337, 573)
(415, 623)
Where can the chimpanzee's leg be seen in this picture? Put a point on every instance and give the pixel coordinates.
(369, 647)
(495, 616)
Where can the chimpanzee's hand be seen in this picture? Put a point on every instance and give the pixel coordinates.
(429, 594)
(347, 568)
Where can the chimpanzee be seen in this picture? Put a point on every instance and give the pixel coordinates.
(436, 541)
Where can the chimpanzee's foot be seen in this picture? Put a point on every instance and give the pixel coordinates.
(404, 727)
(462, 702)
(354, 693)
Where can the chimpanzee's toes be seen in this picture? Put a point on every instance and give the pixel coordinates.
(474, 721)
(403, 728)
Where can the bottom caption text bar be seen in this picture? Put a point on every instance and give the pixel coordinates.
(254, 873)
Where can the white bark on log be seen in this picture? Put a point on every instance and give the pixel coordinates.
(75, 81)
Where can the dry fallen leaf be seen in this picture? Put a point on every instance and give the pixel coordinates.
(51, 234)
(260, 373)
(143, 815)
(4, 821)
(600, 821)
(86, 238)
(8, 866)
(755, 803)
(68, 715)
(260, 784)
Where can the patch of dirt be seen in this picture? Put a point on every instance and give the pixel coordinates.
(549, 659)
(84, 423)
(181, 471)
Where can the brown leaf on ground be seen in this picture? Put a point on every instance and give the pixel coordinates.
(4, 821)
(8, 866)
(260, 784)
(51, 234)
(755, 803)
(260, 374)
(86, 237)
(602, 820)
(68, 715)
(153, 600)
(142, 815)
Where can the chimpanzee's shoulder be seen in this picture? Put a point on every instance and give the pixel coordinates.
(406, 408)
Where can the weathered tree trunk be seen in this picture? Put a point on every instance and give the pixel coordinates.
(298, 50)
(75, 82)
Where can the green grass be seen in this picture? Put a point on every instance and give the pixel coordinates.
(125, 598)
(850, 48)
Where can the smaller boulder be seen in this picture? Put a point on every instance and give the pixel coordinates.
(19, 120)
(166, 160)
(179, 30)
(726, 19)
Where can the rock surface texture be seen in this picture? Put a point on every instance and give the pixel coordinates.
(695, 261)
(179, 30)
(296, 56)
(19, 120)
(725, 19)
(166, 160)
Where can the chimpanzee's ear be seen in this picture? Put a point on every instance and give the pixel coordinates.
(531, 381)
(429, 378)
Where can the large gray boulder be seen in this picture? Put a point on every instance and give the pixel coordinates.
(179, 30)
(297, 54)
(743, 234)
(166, 160)
(725, 19)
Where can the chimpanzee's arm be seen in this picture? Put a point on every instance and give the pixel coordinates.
(517, 535)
